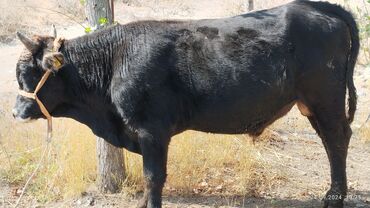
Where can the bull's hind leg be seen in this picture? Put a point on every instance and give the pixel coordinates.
(330, 122)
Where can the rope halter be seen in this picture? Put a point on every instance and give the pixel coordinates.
(57, 64)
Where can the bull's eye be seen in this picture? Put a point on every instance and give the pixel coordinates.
(28, 79)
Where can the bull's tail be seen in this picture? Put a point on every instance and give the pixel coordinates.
(355, 47)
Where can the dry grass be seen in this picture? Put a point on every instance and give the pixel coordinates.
(198, 162)
(204, 163)
(70, 164)
(208, 164)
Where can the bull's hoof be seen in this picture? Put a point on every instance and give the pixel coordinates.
(332, 205)
(333, 200)
(144, 204)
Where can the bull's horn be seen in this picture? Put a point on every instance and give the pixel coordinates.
(30, 44)
(53, 31)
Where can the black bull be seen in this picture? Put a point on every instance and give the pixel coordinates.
(136, 85)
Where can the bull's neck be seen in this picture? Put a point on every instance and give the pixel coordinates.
(87, 74)
(90, 59)
(88, 71)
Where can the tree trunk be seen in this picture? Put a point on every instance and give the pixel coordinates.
(111, 170)
(96, 10)
(250, 5)
(110, 167)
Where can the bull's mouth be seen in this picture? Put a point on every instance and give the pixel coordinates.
(24, 120)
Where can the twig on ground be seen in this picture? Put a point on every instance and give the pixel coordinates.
(33, 174)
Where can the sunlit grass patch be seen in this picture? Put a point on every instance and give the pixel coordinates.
(210, 164)
(68, 168)
(198, 162)
(215, 164)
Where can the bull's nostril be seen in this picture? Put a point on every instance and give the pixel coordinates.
(14, 112)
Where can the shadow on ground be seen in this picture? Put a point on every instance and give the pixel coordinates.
(356, 199)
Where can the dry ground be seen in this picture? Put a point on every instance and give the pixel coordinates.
(293, 151)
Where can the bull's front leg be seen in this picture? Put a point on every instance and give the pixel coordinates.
(154, 151)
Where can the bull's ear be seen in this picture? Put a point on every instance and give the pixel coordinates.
(31, 45)
(53, 61)
(53, 31)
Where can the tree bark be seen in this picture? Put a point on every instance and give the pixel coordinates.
(97, 9)
(111, 172)
(250, 5)
(110, 167)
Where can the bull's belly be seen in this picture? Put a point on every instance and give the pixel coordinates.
(252, 119)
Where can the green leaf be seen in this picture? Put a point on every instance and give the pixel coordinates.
(87, 29)
(103, 21)
(82, 2)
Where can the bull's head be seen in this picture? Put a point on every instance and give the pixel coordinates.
(36, 59)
